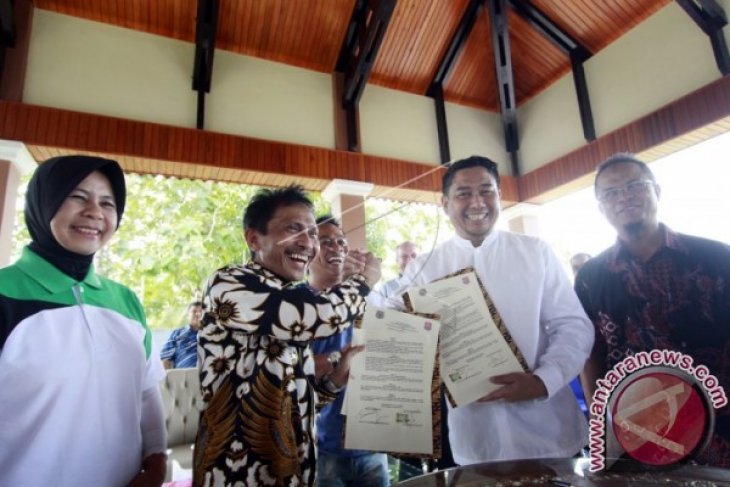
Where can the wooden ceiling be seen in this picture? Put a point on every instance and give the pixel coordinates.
(310, 33)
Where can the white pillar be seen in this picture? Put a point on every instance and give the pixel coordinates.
(523, 218)
(14, 161)
(347, 199)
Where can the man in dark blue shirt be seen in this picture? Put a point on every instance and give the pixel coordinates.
(181, 349)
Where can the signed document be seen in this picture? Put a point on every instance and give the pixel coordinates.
(475, 344)
(389, 394)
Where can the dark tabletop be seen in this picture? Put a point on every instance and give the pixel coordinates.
(570, 472)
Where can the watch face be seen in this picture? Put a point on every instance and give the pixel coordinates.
(661, 416)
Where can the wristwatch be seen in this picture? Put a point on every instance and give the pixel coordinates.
(329, 385)
(334, 359)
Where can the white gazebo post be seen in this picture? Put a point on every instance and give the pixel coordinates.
(523, 218)
(14, 161)
(347, 199)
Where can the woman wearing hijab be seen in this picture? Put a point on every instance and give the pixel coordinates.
(79, 397)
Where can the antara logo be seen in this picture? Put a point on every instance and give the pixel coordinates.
(657, 407)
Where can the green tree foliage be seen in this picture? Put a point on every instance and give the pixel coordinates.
(173, 235)
(392, 222)
(20, 232)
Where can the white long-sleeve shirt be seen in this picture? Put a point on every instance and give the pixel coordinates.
(539, 307)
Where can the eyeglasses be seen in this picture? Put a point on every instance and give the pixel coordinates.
(634, 188)
(330, 242)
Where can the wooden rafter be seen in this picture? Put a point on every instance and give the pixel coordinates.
(577, 53)
(436, 88)
(206, 26)
(364, 35)
(505, 78)
(466, 24)
(711, 18)
(356, 76)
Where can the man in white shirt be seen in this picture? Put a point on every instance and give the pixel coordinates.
(533, 414)
(405, 252)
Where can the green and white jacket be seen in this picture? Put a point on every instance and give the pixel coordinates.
(75, 358)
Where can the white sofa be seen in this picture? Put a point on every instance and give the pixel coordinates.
(182, 404)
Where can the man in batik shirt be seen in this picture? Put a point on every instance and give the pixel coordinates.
(256, 368)
(655, 289)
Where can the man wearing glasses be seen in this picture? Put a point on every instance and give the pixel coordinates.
(655, 288)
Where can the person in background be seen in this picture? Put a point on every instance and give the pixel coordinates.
(256, 368)
(533, 414)
(181, 349)
(577, 261)
(79, 396)
(336, 466)
(655, 288)
(405, 252)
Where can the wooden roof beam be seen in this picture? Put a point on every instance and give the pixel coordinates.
(466, 24)
(368, 23)
(436, 88)
(7, 30)
(358, 72)
(349, 43)
(7, 24)
(442, 128)
(711, 18)
(206, 26)
(577, 53)
(543, 24)
(347, 117)
(505, 79)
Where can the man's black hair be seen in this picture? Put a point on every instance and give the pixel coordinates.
(328, 219)
(265, 202)
(472, 161)
(195, 303)
(622, 158)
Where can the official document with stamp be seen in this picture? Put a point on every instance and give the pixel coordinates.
(475, 343)
(389, 402)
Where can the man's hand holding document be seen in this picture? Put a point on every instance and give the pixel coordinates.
(475, 344)
(389, 403)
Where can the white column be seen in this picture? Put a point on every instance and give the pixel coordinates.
(523, 218)
(347, 199)
(14, 161)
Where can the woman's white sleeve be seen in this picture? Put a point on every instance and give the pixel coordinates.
(154, 433)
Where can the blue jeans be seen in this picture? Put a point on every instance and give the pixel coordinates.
(369, 470)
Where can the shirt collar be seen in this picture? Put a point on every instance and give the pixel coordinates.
(49, 276)
(265, 275)
(671, 241)
(462, 242)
